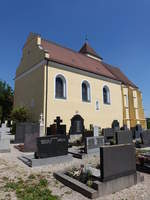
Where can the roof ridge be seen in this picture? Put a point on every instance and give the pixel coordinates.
(67, 48)
(59, 45)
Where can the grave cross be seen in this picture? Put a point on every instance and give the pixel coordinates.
(58, 121)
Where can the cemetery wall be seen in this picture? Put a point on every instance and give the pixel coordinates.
(67, 108)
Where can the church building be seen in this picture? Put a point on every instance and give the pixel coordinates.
(58, 81)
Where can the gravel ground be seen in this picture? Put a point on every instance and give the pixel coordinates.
(12, 167)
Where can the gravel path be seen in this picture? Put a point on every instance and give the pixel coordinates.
(11, 167)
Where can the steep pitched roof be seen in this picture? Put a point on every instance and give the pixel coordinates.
(75, 59)
(87, 49)
(80, 61)
(120, 75)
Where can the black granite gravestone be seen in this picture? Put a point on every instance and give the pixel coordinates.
(124, 128)
(20, 132)
(93, 143)
(52, 146)
(117, 161)
(115, 125)
(145, 136)
(57, 128)
(123, 137)
(138, 131)
(148, 123)
(108, 134)
(77, 125)
(88, 134)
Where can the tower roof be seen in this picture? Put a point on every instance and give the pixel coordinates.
(87, 49)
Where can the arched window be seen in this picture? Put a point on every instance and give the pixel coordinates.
(60, 87)
(86, 96)
(106, 95)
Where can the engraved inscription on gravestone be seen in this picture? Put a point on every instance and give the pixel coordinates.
(93, 143)
(51, 146)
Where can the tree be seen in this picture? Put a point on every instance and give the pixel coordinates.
(20, 114)
(6, 100)
(0, 112)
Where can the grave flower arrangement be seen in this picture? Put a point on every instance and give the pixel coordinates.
(81, 174)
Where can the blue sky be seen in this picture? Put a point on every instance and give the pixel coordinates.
(119, 30)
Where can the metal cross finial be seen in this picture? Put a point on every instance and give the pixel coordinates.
(86, 38)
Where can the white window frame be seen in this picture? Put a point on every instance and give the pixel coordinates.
(64, 86)
(108, 95)
(88, 91)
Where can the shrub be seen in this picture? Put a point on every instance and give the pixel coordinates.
(20, 114)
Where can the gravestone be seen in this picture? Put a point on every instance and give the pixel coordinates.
(145, 136)
(96, 131)
(57, 128)
(92, 144)
(41, 122)
(4, 128)
(4, 139)
(115, 125)
(123, 137)
(76, 131)
(32, 132)
(20, 132)
(117, 161)
(51, 146)
(124, 128)
(108, 134)
(52, 130)
(138, 131)
(26, 131)
(77, 125)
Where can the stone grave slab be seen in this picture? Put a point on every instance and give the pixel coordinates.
(108, 134)
(115, 125)
(31, 161)
(96, 131)
(26, 128)
(145, 136)
(77, 125)
(20, 132)
(52, 146)
(117, 161)
(4, 129)
(138, 130)
(58, 128)
(32, 132)
(92, 144)
(4, 144)
(123, 137)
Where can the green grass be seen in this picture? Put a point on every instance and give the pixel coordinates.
(34, 188)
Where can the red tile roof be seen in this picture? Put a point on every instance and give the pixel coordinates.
(80, 61)
(87, 49)
(119, 74)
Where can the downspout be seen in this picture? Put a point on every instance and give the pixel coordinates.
(46, 97)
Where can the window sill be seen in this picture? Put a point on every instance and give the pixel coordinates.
(86, 101)
(107, 103)
(61, 98)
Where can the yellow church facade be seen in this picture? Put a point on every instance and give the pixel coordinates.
(57, 81)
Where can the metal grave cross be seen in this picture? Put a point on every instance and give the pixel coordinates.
(58, 121)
